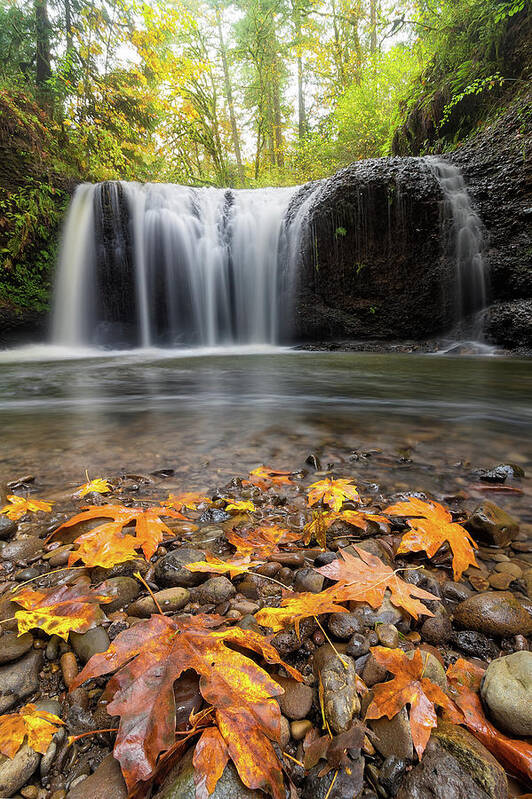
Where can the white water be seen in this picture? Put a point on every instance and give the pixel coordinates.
(210, 267)
(466, 244)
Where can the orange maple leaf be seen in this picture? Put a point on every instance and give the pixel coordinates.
(366, 578)
(189, 500)
(59, 611)
(408, 687)
(323, 520)
(147, 660)
(332, 493)
(296, 607)
(19, 506)
(433, 528)
(262, 541)
(464, 682)
(264, 477)
(213, 565)
(38, 726)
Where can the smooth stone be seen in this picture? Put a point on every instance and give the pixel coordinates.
(456, 592)
(13, 647)
(50, 706)
(296, 701)
(388, 635)
(298, 729)
(214, 516)
(284, 740)
(123, 591)
(357, 646)
(507, 691)
(348, 783)
(308, 581)
(8, 528)
(249, 623)
(494, 613)
(373, 672)
(386, 614)
(439, 775)
(179, 784)
(391, 773)
(432, 668)
(473, 756)
(500, 580)
(126, 569)
(510, 568)
(437, 629)
(170, 572)
(21, 548)
(19, 679)
(393, 735)
(338, 680)
(87, 644)
(490, 523)
(16, 772)
(215, 590)
(105, 783)
(344, 625)
(170, 599)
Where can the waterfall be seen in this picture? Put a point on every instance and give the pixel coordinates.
(158, 264)
(466, 244)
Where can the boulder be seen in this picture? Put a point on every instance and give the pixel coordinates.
(494, 613)
(439, 775)
(473, 756)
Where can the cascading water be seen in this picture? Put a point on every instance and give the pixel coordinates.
(186, 266)
(466, 244)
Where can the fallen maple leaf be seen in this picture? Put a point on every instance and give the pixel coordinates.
(261, 541)
(19, 506)
(147, 660)
(188, 500)
(59, 611)
(99, 486)
(366, 578)
(264, 477)
(38, 725)
(408, 687)
(323, 520)
(213, 565)
(243, 506)
(332, 493)
(464, 682)
(433, 528)
(297, 607)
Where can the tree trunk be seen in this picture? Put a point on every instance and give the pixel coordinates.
(42, 52)
(338, 46)
(277, 117)
(229, 97)
(373, 26)
(301, 112)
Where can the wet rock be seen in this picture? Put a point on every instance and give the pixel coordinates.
(502, 472)
(292, 559)
(348, 784)
(500, 580)
(169, 570)
(440, 776)
(288, 641)
(13, 647)
(285, 733)
(106, 783)
(386, 614)
(340, 699)
(249, 623)
(298, 729)
(456, 592)
(16, 772)
(388, 635)
(87, 644)
(506, 690)
(296, 701)
(391, 773)
(214, 516)
(393, 736)
(170, 599)
(476, 644)
(123, 591)
(494, 613)
(308, 580)
(126, 569)
(373, 672)
(490, 523)
(344, 625)
(180, 784)
(432, 668)
(474, 758)
(21, 548)
(508, 567)
(215, 590)
(357, 646)
(8, 528)
(324, 558)
(19, 679)
(437, 629)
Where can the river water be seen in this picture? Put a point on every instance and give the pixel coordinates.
(422, 422)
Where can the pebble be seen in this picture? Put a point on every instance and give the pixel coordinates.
(90, 643)
(14, 646)
(437, 629)
(296, 701)
(337, 676)
(510, 568)
(21, 548)
(215, 590)
(491, 523)
(388, 635)
(292, 559)
(8, 528)
(123, 591)
(500, 580)
(170, 600)
(344, 625)
(357, 646)
(69, 668)
(391, 773)
(19, 679)
(494, 613)
(16, 772)
(106, 783)
(373, 672)
(393, 735)
(298, 729)
(476, 644)
(29, 792)
(179, 784)
(308, 580)
(170, 572)
(507, 690)
(245, 607)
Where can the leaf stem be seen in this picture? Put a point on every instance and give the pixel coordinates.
(143, 581)
(331, 785)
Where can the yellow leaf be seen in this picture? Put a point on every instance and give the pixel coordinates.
(20, 506)
(38, 725)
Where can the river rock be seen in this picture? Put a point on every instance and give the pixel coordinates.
(215, 590)
(8, 528)
(296, 701)
(432, 668)
(391, 773)
(21, 548)
(507, 691)
(393, 735)
(485, 770)
(388, 635)
(13, 646)
(494, 613)
(308, 580)
(123, 591)
(439, 775)
(169, 570)
(437, 629)
(125, 569)
(344, 625)
(348, 783)
(386, 614)
(16, 772)
(105, 783)
(179, 784)
(19, 679)
(171, 599)
(476, 644)
(340, 699)
(358, 645)
(490, 523)
(87, 644)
